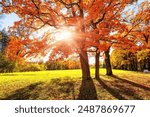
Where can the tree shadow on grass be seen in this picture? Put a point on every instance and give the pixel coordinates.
(51, 90)
(59, 89)
(112, 91)
(8, 74)
(24, 93)
(123, 90)
(132, 83)
(13, 74)
(87, 90)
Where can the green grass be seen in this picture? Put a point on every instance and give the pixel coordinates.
(68, 84)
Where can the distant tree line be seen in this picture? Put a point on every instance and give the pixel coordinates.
(62, 65)
(12, 66)
(126, 60)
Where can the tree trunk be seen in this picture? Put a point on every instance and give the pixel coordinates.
(148, 64)
(141, 65)
(135, 65)
(108, 64)
(97, 65)
(145, 64)
(84, 65)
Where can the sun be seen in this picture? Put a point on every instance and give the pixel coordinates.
(64, 34)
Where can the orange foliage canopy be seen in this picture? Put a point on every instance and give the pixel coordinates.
(18, 48)
(93, 20)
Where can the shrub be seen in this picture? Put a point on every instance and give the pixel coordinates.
(56, 65)
(6, 65)
(73, 64)
(62, 65)
(31, 67)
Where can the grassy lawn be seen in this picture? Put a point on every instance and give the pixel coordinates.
(67, 84)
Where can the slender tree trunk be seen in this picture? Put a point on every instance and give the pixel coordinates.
(149, 64)
(141, 65)
(97, 65)
(135, 65)
(84, 65)
(144, 63)
(108, 64)
(132, 65)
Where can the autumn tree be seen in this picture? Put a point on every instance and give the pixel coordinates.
(36, 14)
(142, 31)
(139, 32)
(109, 24)
(125, 38)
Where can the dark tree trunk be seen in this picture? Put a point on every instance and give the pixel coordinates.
(97, 65)
(84, 65)
(83, 54)
(144, 63)
(108, 64)
(141, 65)
(148, 64)
(135, 65)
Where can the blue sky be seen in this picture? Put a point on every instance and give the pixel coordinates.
(8, 19)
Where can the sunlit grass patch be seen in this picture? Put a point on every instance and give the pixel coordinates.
(68, 84)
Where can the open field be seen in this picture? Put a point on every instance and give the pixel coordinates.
(67, 84)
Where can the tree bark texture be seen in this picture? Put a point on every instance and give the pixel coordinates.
(108, 64)
(97, 65)
(84, 65)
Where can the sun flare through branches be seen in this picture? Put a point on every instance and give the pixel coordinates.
(65, 34)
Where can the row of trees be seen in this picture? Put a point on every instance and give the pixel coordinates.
(63, 65)
(126, 60)
(7, 65)
(97, 26)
